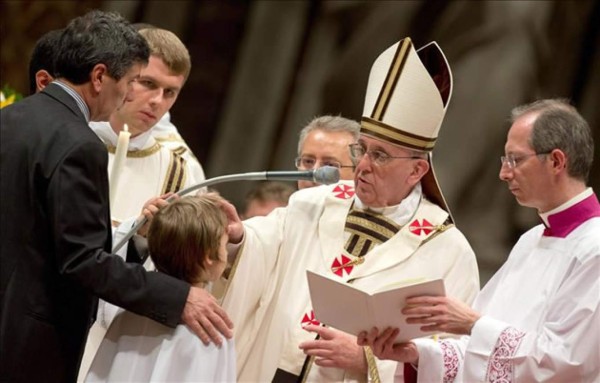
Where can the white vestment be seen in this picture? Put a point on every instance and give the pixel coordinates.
(149, 171)
(541, 314)
(167, 134)
(268, 298)
(138, 349)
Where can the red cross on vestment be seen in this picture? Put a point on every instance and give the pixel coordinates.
(342, 264)
(417, 228)
(343, 191)
(309, 318)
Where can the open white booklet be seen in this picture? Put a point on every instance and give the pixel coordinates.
(349, 309)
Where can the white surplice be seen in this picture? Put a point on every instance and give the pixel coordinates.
(167, 134)
(150, 170)
(541, 316)
(138, 349)
(268, 297)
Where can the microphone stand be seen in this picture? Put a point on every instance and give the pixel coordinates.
(205, 183)
(322, 175)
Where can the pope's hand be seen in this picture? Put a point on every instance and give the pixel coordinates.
(383, 346)
(235, 228)
(335, 349)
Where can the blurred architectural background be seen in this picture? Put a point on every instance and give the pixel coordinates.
(262, 69)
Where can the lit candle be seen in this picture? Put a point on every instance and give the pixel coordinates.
(118, 163)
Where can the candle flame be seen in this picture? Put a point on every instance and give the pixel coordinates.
(126, 128)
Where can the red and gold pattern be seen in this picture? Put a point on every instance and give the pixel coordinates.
(344, 264)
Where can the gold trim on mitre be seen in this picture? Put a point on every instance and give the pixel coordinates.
(396, 136)
(407, 95)
(403, 102)
(391, 79)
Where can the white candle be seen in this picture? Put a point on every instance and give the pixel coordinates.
(118, 163)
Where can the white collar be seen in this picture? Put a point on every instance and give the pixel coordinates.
(110, 137)
(400, 213)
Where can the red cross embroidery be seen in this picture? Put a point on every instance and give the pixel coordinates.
(309, 318)
(343, 191)
(342, 264)
(416, 227)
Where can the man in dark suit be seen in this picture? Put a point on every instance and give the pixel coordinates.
(55, 219)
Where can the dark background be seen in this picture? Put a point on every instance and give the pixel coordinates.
(262, 69)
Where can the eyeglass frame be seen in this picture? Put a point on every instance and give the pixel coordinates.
(377, 160)
(513, 161)
(298, 161)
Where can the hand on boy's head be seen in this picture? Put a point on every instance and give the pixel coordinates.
(151, 207)
(235, 229)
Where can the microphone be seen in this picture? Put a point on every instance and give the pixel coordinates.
(324, 175)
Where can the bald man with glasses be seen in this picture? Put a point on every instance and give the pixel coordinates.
(387, 224)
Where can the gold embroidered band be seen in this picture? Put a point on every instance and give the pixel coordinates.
(137, 153)
(175, 178)
(387, 133)
(391, 79)
(366, 231)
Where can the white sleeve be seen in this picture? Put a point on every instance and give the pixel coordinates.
(120, 232)
(253, 278)
(565, 348)
(440, 361)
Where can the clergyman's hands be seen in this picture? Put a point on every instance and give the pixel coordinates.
(441, 314)
(151, 207)
(335, 349)
(205, 317)
(383, 346)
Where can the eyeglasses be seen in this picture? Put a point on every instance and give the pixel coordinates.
(310, 163)
(513, 161)
(379, 158)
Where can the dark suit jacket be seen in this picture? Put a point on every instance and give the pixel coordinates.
(55, 242)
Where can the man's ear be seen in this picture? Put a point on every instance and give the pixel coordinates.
(558, 159)
(97, 76)
(421, 167)
(42, 79)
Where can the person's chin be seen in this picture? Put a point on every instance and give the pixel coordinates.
(364, 195)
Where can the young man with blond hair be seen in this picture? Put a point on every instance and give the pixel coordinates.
(150, 169)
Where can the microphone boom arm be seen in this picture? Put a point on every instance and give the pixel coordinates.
(325, 175)
(205, 183)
